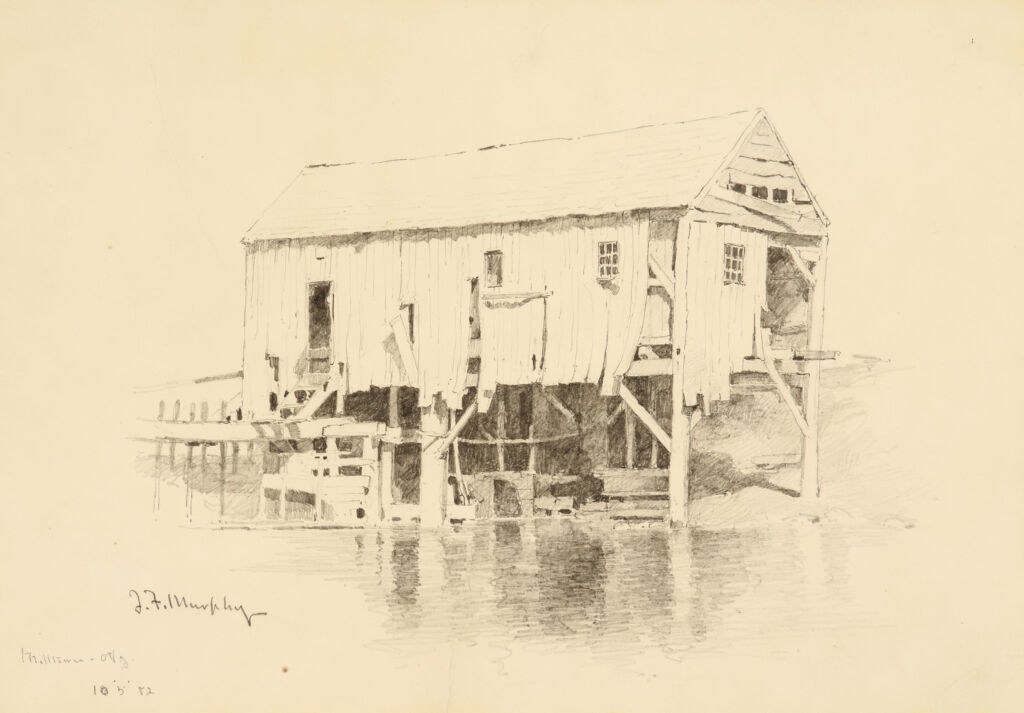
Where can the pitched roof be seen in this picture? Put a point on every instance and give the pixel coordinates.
(661, 166)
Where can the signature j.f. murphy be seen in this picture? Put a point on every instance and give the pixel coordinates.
(148, 600)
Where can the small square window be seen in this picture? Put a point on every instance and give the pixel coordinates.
(759, 192)
(739, 187)
(780, 195)
(734, 264)
(492, 268)
(608, 259)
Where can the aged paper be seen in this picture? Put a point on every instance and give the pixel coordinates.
(142, 142)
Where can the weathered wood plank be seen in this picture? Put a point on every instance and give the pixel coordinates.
(645, 417)
(559, 406)
(787, 395)
(440, 447)
(242, 431)
(801, 266)
(764, 153)
(763, 168)
(650, 367)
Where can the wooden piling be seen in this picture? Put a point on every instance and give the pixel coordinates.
(679, 456)
(810, 486)
(630, 419)
(500, 398)
(433, 468)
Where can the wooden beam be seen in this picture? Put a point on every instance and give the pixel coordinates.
(616, 412)
(440, 447)
(757, 205)
(645, 417)
(773, 374)
(800, 265)
(313, 404)
(814, 354)
(695, 418)
(662, 274)
(559, 406)
(250, 431)
(650, 367)
(399, 328)
(731, 206)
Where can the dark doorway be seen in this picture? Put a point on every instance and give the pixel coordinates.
(320, 327)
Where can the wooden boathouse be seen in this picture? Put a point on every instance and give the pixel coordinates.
(524, 328)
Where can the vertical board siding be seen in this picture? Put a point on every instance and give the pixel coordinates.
(583, 330)
(720, 317)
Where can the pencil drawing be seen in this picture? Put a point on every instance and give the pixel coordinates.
(526, 330)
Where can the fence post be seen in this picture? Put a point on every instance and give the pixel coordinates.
(187, 475)
(157, 465)
(223, 460)
(171, 448)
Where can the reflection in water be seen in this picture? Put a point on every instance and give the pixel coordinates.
(587, 583)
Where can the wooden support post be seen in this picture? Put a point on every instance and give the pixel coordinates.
(282, 498)
(387, 456)
(500, 397)
(433, 470)
(594, 425)
(157, 465)
(223, 461)
(204, 416)
(630, 439)
(809, 483)
(532, 463)
(679, 449)
(187, 476)
(387, 477)
(393, 415)
(175, 414)
(652, 406)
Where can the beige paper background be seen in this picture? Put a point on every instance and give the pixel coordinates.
(141, 139)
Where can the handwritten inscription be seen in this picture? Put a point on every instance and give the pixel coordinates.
(120, 689)
(49, 658)
(150, 601)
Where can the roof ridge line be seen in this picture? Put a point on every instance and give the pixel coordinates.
(493, 147)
